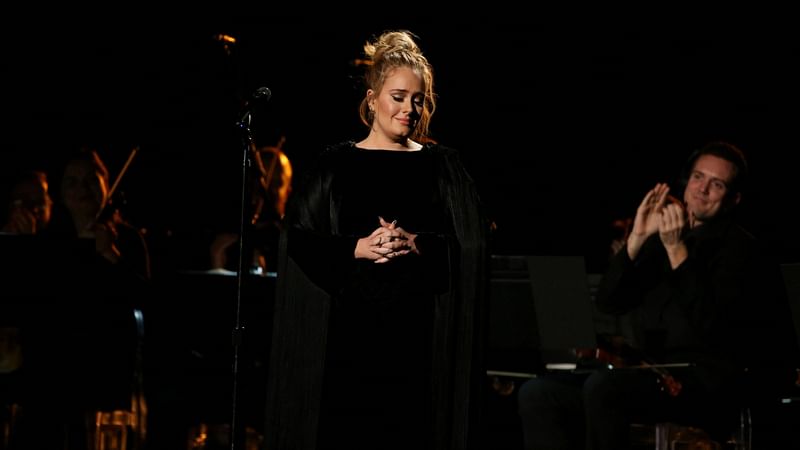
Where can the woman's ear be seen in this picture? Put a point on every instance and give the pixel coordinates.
(371, 99)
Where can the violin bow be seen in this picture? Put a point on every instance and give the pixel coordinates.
(117, 180)
(122, 172)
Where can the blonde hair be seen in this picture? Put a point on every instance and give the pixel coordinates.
(391, 50)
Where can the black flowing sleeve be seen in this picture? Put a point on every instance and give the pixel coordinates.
(312, 241)
(460, 320)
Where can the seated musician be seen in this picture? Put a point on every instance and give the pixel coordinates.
(80, 336)
(704, 293)
(86, 212)
(29, 205)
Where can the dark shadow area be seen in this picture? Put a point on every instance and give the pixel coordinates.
(564, 123)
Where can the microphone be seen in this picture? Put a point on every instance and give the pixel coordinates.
(261, 94)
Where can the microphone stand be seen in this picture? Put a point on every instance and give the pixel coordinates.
(236, 436)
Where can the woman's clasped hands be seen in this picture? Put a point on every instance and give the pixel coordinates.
(388, 242)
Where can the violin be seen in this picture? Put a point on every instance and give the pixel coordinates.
(620, 358)
(668, 383)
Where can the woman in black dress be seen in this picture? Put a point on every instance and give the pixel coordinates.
(381, 284)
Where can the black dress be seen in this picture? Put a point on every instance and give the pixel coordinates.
(378, 361)
(370, 355)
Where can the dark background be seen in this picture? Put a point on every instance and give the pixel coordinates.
(564, 121)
